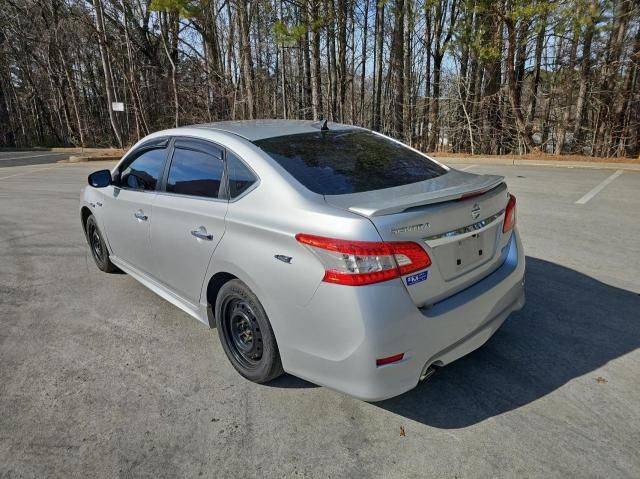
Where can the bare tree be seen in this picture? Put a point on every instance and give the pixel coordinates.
(480, 76)
(106, 68)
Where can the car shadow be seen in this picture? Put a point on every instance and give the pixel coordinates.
(287, 381)
(571, 325)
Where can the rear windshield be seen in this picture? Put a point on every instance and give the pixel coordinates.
(352, 161)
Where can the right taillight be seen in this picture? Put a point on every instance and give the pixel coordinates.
(509, 215)
(356, 263)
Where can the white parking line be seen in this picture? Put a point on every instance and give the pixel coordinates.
(598, 188)
(31, 156)
(466, 168)
(29, 172)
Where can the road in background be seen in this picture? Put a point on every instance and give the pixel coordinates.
(101, 377)
(25, 158)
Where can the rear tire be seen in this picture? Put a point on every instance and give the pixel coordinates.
(246, 334)
(98, 247)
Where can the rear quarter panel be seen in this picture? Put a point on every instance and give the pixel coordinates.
(264, 224)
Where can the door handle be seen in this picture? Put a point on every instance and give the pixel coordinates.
(140, 215)
(201, 233)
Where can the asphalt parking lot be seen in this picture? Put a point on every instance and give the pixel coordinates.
(99, 377)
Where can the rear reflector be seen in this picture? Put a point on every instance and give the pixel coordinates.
(356, 263)
(389, 360)
(509, 215)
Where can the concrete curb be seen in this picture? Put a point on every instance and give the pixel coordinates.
(548, 163)
(86, 158)
(59, 149)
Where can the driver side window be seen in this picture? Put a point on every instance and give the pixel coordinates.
(142, 171)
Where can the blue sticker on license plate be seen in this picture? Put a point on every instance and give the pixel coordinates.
(416, 278)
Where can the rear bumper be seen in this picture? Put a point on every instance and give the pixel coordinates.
(347, 328)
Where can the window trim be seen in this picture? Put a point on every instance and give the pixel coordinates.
(204, 144)
(223, 193)
(162, 142)
(251, 170)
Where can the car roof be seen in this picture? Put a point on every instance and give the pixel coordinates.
(254, 130)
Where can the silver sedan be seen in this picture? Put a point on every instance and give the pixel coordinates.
(331, 252)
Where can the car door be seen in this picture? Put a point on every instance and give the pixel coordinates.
(128, 204)
(188, 216)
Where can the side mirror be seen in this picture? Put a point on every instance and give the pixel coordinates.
(100, 179)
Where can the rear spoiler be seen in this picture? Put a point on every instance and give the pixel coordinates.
(453, 185)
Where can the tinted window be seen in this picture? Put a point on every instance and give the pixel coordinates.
(352, 161)
(141, 171)
(240, 176)
(194, 173)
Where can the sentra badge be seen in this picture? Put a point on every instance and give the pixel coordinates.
(411, 228)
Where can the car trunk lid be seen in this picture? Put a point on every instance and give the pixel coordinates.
(450, 186)
(457, 218)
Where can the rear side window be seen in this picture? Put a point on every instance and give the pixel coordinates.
(141, 171)
(352, 161)
(195, 173)
(240, 176)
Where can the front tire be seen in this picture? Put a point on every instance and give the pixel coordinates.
(246, 334)
(98, 247)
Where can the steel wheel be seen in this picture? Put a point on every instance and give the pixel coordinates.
(98, 247)
(246, 334)
(95, 242)
(241, 328)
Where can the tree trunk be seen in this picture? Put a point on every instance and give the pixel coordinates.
(625, 102)
(612, 81)
(521, 126)
(407, 114)
(566, 115)
(426, 104)
(331, 62)
(397, 69)
(435, 104)
(308, 95)
(164, 33)
(74, 100)
(536, 71)
(364, 60)
(316, 72)
(443, 10)
(106, 67)
(376, 121)
(342, 11)
(246, 57)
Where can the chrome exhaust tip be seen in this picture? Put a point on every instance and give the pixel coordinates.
(427, 372)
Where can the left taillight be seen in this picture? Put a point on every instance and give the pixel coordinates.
(509, 215)
(356, 263)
